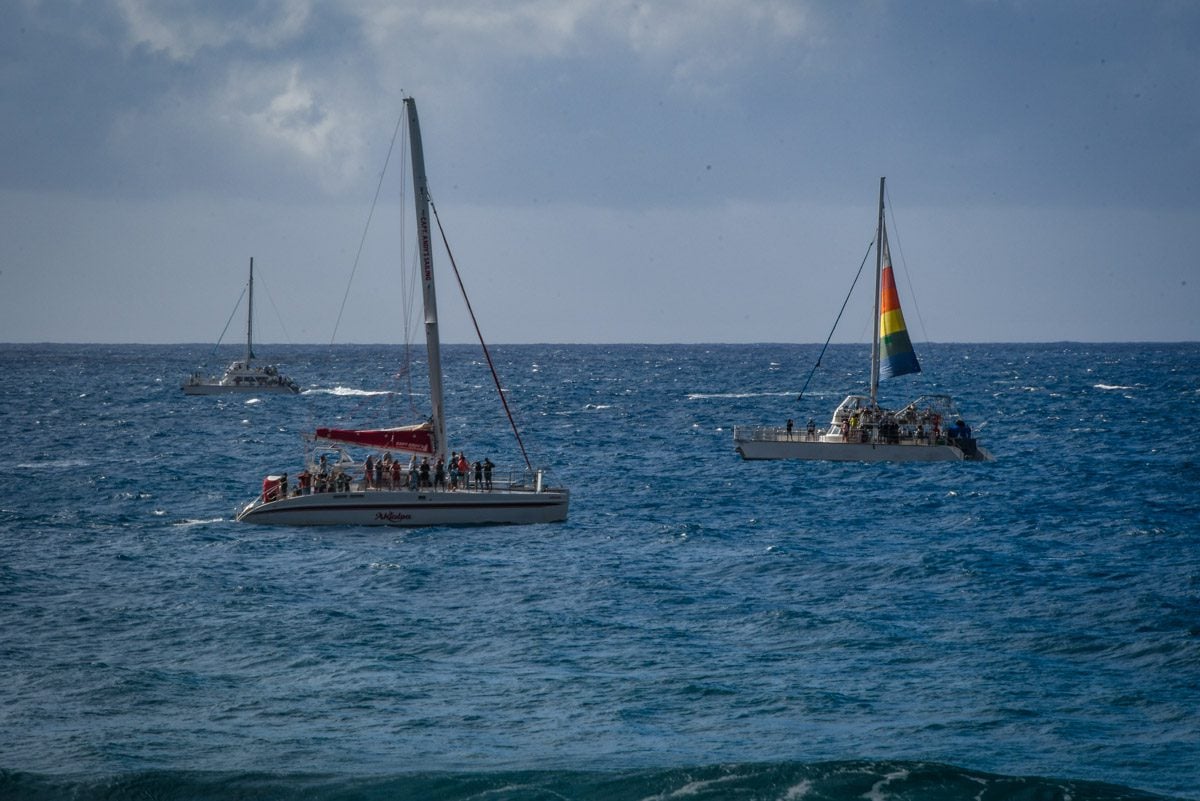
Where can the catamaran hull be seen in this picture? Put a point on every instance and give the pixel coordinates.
(751, 450)
(411, 508)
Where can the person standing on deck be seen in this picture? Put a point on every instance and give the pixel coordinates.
(439, 474)
(464, 467)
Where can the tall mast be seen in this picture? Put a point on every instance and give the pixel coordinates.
(425, 241)
(250, 317)
(879, 246)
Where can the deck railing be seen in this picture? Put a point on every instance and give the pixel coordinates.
(507, 480)
(856, 435)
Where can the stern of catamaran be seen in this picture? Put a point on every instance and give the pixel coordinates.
(971, 449)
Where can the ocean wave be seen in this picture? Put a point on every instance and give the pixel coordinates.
(828, 781)
(738, 395)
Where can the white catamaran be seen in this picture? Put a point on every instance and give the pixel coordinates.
(243, 376)
(340, 491)
(927, 430)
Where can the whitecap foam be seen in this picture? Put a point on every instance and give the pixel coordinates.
(737, 395)
(53, 464)
(347, 392)
(798, 791)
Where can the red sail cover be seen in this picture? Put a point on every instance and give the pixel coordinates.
(410, 439)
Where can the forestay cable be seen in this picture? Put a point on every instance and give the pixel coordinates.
(853, 284)
(227, 322)
(362, 241)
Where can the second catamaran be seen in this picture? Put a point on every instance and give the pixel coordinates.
(243, 376)
(927, 430)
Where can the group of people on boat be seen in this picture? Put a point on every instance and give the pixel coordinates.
(457, 472)
(892, 428)
(256, 380)
(919, 427)
(240, 374)
(810, 430)
(882, 425)
(386, 473)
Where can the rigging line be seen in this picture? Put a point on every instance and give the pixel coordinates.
(835, 322)
(487, 354)
(907, 276)
(363, 240)
(278, 316)
(230, 320)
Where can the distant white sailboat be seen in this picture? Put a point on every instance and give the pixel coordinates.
(243, 376)
(927, 430)
(330, 492)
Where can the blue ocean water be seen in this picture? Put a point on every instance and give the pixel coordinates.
(701, 627)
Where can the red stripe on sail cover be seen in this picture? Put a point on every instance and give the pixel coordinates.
(410, 439)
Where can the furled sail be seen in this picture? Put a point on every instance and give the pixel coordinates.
(408, 439)
(896, 354)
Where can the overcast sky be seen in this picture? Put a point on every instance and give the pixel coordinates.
(607, 170)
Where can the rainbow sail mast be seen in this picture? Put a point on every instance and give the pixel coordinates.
(878, 279)
(892, 352)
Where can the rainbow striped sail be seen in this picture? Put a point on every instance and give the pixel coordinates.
(896, 354)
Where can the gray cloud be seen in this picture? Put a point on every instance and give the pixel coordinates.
(199, 133)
